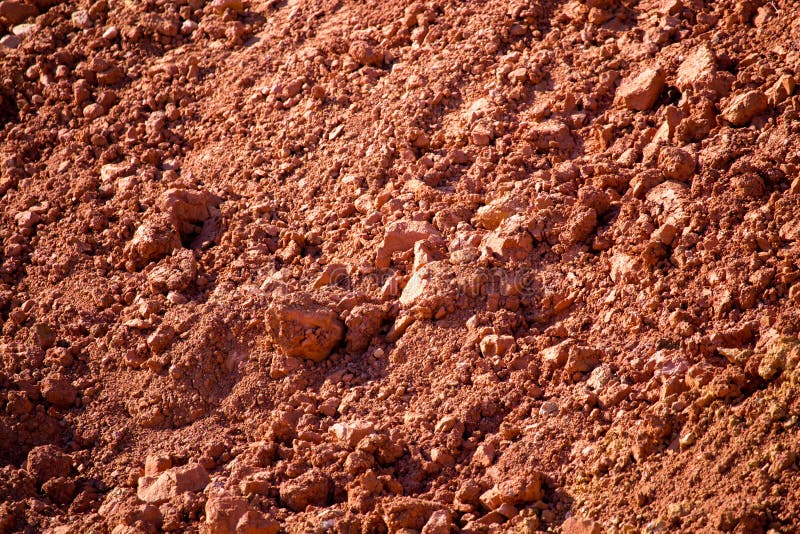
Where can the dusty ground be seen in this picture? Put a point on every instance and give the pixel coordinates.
(357, 266)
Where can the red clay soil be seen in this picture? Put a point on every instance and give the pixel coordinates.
(356, 266)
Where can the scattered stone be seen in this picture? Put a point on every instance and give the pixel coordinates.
(59, 391)
(511, 240)
(172, 483)
(365, 54)
(783, 89)
(552, 135)
(698, 72)
(110, 33)
(350, 434)
(514, 491)
(749, 185)
(416, 288)
(579, 227)
(481, 135)
(742, 108)
(94, 111)
(81, 19)
(491, 215)
(155, 464)
(399, 327)
(440, 522)
(426, 252)
(219, 6)
(188, 206)
(154, 239)
(312, 488)
(572, 356)
(27, 219)
(676, 163)
(253, 522)
(641, 92)
(47, 462)
(161, 339)
(408, 513)
(363, 324)
(223, 512)
(304, 328)
(401, 236)
(10, 41)
(334, 274)
(781, 354)
(579, 525)
(496, 345)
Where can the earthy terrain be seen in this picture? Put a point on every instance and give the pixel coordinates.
(356, 266)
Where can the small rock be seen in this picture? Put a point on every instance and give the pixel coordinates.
(556, 355)
(253, 522)
(426, 252)
(27, 219)
(23, 30)
(155, 464)
(351, 433)
(748, 185)
(303, 328)
(59, 391)
(699, 72)
(552, 135)
(93, 111)
(519, 75)
(491, 215)
(10, 41)
(783, 89)
(47, 462)
(510, 240)
(641, 92)
(481, 135)
(484, 454)
(579, 227)
(440, 522)
(401, 236)
(154, 239)
(518, 490)
(223, 512)
(110, 33)
(416, 288)
(161, 339)
(782, 353)
(188, 205)
(172, 483)
(363, 324)
(219, 6)
(365, 54)
(742, 108)
(408, 513)
(401, 324)
(579, 525)
(312, 488)
(334, 274)
(496, 345)
(81, 19)
(676, 163)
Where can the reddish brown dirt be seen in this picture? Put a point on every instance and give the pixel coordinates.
(357, 266)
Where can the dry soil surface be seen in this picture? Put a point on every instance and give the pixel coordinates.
(361, 266)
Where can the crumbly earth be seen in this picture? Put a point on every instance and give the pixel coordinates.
(356, 266)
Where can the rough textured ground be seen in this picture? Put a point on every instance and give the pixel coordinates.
(357, 266)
